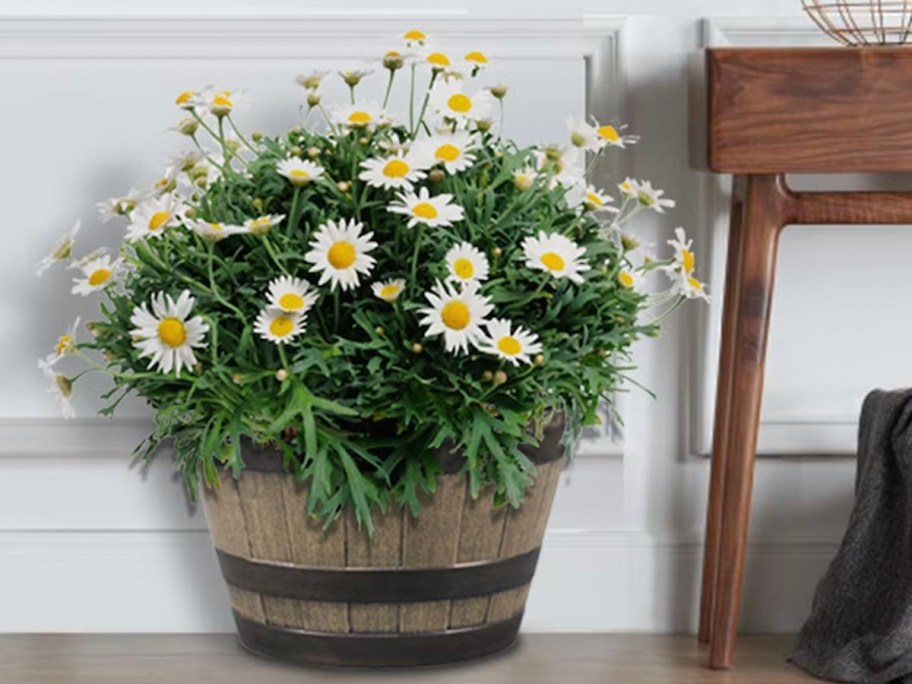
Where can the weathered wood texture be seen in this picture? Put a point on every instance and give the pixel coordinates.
(262, 517)
(809, 110)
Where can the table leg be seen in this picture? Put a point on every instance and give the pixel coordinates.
(723, 402)
(766, 211)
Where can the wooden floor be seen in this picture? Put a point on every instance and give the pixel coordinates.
(538, 659)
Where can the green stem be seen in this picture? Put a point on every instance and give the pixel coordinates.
(270, 250)
(389, 87)
(292, 214)
(329, 121)
(202, 122)
(412, 99)
(240, 135)
(351, 93)
(424, 105)
(418, 235)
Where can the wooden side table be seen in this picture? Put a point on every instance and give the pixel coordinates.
(769, 112)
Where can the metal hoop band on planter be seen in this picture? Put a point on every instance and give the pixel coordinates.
(448, 585)
(376, 650)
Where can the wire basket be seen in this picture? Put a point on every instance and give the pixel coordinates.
(863, 22)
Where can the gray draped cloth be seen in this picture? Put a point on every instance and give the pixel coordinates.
(860, 629)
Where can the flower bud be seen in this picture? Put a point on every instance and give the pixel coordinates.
(313, 99)
(188, 126)
(257, 136)
(436, 176)
(190, 213)
(553, 152)
(500, 377)
(281, 375)
(379, 330)
(295, 151)
(629, 242)
(539, 360)
(523, 182)
(257, 203)
(497, 252)
(417, 348)
(313, 152)
(344, 186)
(499, 91)
(363, 140)
(392, 60)
(487, 376)
(237, 378)
(233, 146)
(352, 78)
(484, 125)
(578, 139)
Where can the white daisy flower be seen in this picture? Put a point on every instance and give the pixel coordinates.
(115, 207)
(298, 171)
(97, 274)
(62, 249)
(353, 77)
(453, 150)
(630, 279)
(213, 231)
(612, 136)
(646, 195)
(223, 102)
(431, 211)
(458, 316)
(66, 343)
(584, 136)
(166, 183)
(556, 254)
(59, 386)
(188, 99)
(438, 60)
(596, 200)
(399, 171)
(524, 178)
(339, 252)
(312, 80)
(262, 224)
(688, 286)
(388, 290)
(414, 38)
(685, 260)
(150, 219)
(476, 59)
(360, 116)
(291, 295)
(466, 264)
(450, 100)
(166, 335)
(279, 326)
(514, 345)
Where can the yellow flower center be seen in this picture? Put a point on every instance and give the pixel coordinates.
(184, 97)
(553, 261)
(414, 34)
(477, 57)
(359, 118)
(389, 291)
(460, 102)
(63, 345)
(172, 332)
(609, 133)
(341, 255)
(438, 59)
(299, 174)
(396, 168)
(393, 53)
(455, 315)
(291, 301)
(424, 210)
(463, 268)
(99, 276)
(159, 218)
(625, 186)
(447, 152)
(222, 101)
(509, 345)
(625, 278)
(694, 283)
(593, 199)
(216, 226)
(281, 326)
(688, 263)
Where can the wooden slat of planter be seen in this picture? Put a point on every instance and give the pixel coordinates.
(432, 540)
(384, 550)
(480, 538)
(264, 511)
(312, 545)
(229, 532)
(523, 532)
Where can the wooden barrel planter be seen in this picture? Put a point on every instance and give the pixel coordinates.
(449, 585)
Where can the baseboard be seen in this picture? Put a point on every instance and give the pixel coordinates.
(588, 580)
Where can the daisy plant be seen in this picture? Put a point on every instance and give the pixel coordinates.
(371, 286)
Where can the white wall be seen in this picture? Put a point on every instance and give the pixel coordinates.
(89, 543)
